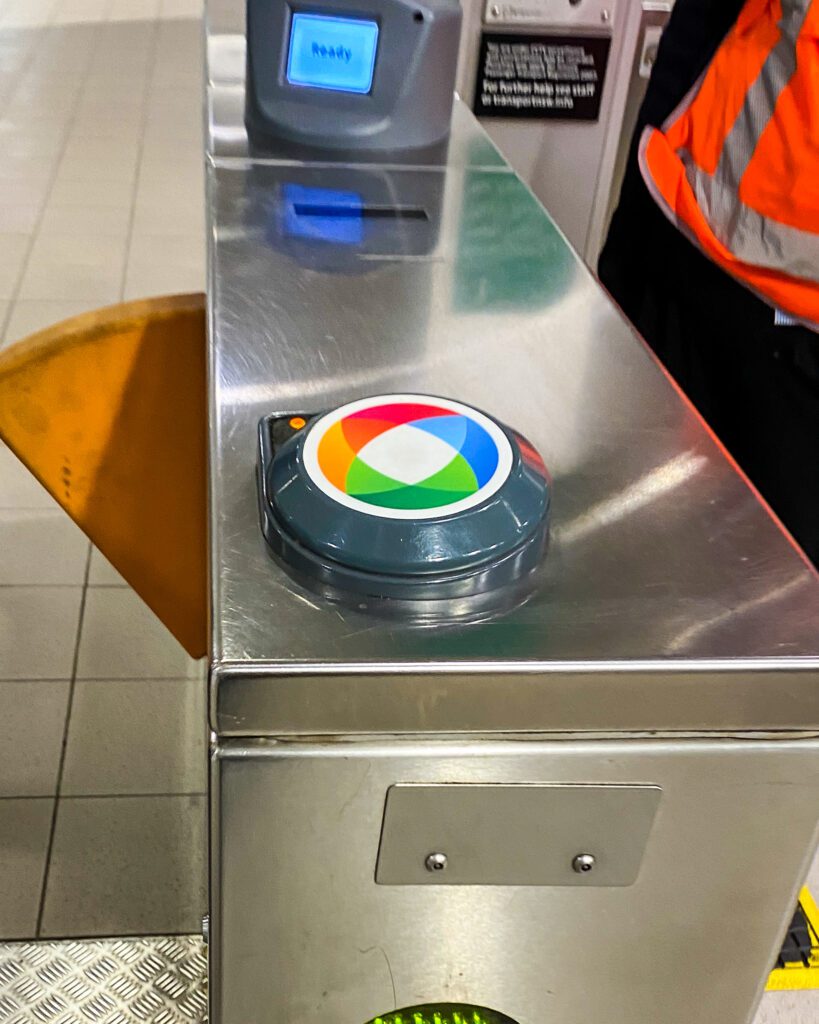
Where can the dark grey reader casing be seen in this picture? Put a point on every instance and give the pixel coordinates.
(409, 105)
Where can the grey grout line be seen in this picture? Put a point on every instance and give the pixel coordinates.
(12, 302)
(61, 764)
(102, 937)
(149, 76)
(64, 586)
(106, 796)
(38, 33)
(85, 586)
(170, 680)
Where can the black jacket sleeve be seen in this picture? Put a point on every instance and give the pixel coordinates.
(694, 31)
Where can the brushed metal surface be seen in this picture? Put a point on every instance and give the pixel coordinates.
(514, 835)
(302, 934)
(662, 559)
(112, 981)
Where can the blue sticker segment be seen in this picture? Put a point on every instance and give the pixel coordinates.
(467, 437)
(451, 429)
(299, 222)
(332, 53)
(480, 451)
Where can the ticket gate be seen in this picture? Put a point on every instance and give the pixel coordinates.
(513, 685)
(557, 85)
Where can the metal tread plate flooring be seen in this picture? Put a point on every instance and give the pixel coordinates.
(160, 980)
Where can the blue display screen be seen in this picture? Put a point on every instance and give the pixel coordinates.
(332, 53)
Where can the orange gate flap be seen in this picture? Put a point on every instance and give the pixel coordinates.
(108, 411)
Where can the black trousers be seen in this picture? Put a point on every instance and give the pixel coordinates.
(756, 384)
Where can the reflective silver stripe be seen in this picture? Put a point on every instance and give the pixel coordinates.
(683, 228)
(762, 96)
(752, 237)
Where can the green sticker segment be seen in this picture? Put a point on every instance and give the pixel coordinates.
(455, 481)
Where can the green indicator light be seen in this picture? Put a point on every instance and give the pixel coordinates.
(443, 1013)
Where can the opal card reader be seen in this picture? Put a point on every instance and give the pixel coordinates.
(351, 75)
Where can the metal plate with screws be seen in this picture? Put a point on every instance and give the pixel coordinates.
(557, 14)
(527, 834)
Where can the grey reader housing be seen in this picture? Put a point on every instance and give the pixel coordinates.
(351, 75)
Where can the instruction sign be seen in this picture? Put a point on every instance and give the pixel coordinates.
(537, 76)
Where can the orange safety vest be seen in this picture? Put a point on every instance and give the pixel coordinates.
(736, 166)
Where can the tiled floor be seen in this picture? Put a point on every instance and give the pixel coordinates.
(102, 760)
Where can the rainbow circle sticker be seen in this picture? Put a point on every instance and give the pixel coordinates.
(407, 456)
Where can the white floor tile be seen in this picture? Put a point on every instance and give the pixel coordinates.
(32, 726)
(123, 639)
(101, 105)
(175, 76)
(13, 249)
(61, 219)
(44, 85)
(159, 266)
(17, 47)
(101, 573)
(127, 37)
(100, 152)
(190, 130)
(180, 219)
(76, 267)
(72, 191)
(73, 12)
(28, 167)
(182, 8)
(169, 195)
(18, 488)
(20, 192)
(788, 1008)
(41, 546)
(31, 315)
(48, 105)
(133, 10)
(136, 736)
(22, 13)
(116, 128)
(129, 61)
(18, 220)
(32, 138)
(66, 55)
(25, 826)
(38, 629)
(187, 167)
(115, 167)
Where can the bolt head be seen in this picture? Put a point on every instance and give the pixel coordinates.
(436, 862)
(583, 863)
(605, 15)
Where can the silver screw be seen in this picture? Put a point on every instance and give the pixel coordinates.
(583, 863)
(495, 11)
(436, 862)
(206, 927)
(605, 15)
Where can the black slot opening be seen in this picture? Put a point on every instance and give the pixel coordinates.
(359, 212)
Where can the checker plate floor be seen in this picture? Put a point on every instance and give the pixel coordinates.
(104, 981)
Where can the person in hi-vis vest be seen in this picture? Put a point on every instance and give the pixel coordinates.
(713, 251)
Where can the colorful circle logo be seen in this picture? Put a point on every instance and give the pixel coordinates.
(407, 456)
